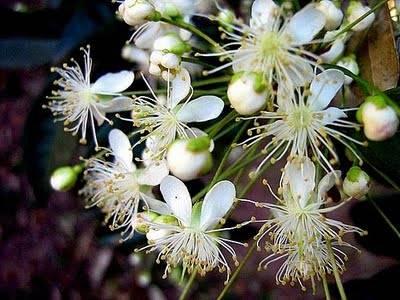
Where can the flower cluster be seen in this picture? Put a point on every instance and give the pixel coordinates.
(281, 102)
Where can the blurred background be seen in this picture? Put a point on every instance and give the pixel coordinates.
(51, 247)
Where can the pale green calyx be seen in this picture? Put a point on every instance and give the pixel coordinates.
(171, 43)
(199, 144)
(140, 223)
(196, 213)
(355, 174)
(166, 219)
(64, 178)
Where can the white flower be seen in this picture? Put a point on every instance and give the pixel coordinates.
(354, 11)
(357, 183)
(164, 120)
(80, 103)
(299, 229)
(247, 93)
(333, 14)
(379, 119)
(304, 121)
(193, 241)
(274, 44)
(118, 186)
(190, 159)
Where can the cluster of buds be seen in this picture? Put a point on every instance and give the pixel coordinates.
(379, 119)
(165, 60)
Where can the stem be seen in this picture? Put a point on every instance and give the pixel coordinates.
(215, 80)
(339, 284)
(237, 271)
(226, 155)
(189, 27)
(326, 288)
(197, 62)
(383, 215)
(213, 130)
(186, 290)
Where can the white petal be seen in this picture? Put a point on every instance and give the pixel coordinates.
(336, 50)
(113, 82)
(177, 196)
(180, 87)
(324, 87)
(331, 114)
(300, 72)
(121, 147)
(216, 204)
(262, 13)
(153, 174)
(147, 36)
(305, 24)
(99, 114)
(201, 109)
(156, 205)
(301, 179)
(326, 183)
(118, 104)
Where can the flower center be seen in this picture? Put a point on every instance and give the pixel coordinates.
(271, 44)
(300, 118)
(87, 96)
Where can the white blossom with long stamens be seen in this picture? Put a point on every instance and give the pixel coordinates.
(194, 241)
(118, 186)
(299, 231)
(80, 103)
(304, 121)
(162, 120)
(274, 44)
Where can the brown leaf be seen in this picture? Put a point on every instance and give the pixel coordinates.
(378, 57)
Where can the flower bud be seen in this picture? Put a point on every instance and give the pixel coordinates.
(170, 61)
(333, 14)
(190, 159)
(349, 63)
(135, 12)
(225, 18)
(155, 70)
(140, 222)
(171, 43)
(247, 93)
(64, 178)
(354, 11)
(379, 119)
(357, 183)
(156, 234)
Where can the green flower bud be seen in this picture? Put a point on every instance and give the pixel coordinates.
(357, 183)
(64, 178)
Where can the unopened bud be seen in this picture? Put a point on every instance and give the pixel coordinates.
(379, 119)
(354, 11)
(333, 14)
(357, 183)
(247, 93)
(349, 62)
(171, 43)
(135, 12)
(64, 178)
(189, 159)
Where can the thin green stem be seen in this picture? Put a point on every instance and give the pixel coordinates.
(339, 284)
(227, 152)
(186, 290)
(326, 288)
(189, 27)
(197, 62)
(221, 79)
(383, 215)
(237, 271)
